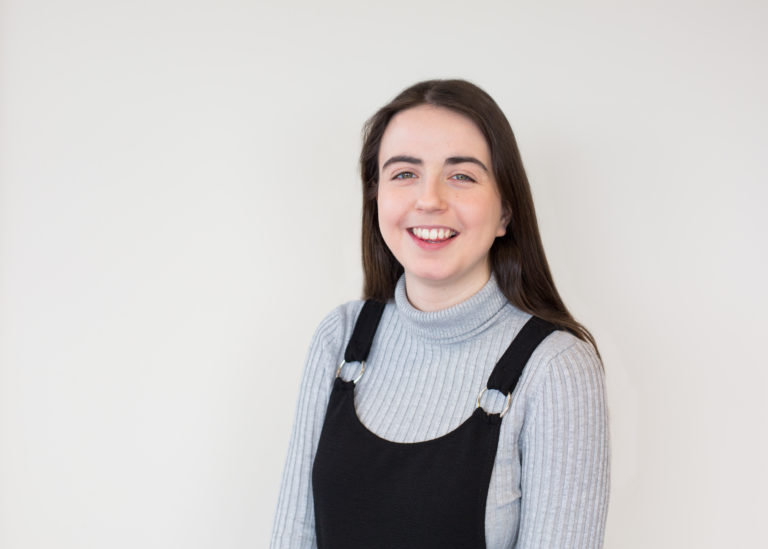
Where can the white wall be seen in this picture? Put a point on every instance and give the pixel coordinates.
(179, 207)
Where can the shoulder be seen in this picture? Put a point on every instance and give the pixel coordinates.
(561, 345)
(336, 327)
(565, 362)
(326, 348)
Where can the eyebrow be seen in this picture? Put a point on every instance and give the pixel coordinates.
(402, 158)
(462, 159)
(451, 160)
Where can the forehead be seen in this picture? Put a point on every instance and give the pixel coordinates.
(428, 131)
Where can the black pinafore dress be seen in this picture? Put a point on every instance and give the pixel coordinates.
(372, 493)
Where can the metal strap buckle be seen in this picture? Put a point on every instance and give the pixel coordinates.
(362, 370)
(506, 404)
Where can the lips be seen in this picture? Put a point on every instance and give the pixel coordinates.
(433, 234)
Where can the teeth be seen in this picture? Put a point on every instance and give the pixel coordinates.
(433, 234)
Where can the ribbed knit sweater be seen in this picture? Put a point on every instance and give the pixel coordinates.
(549, 487)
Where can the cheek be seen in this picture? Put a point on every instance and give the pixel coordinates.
(381, 209)
(490, 223)
(479, 212)
(388, 224)
(389, 209)
(385, 219)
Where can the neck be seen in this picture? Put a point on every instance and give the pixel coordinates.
(430, 296)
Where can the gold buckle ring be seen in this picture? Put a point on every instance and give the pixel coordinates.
(362, 370)
(506, 405)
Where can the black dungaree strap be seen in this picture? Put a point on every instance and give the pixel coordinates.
(362, 337)
(510, 366)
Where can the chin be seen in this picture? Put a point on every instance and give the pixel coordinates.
(434, 276)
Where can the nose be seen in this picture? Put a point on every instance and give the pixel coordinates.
(430, 197)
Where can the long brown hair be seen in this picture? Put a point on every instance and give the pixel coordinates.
(517, 258)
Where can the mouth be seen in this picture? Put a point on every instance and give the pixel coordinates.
(433, 234)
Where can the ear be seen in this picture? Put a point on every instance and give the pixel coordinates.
(506, 217)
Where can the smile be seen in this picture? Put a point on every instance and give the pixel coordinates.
(432, 234)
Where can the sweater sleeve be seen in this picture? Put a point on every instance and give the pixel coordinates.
(294, 522)
(565, 455)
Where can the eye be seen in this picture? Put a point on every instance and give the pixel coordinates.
(404, 175)
(463, 177)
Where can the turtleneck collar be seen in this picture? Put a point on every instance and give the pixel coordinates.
(455, 323)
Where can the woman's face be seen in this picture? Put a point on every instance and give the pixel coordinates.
(438, 203)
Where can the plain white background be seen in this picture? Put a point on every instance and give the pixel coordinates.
(179, 208)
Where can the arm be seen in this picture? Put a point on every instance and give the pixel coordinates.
(565, 455)
(294, 524)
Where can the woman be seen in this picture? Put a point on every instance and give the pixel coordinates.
(461, 405)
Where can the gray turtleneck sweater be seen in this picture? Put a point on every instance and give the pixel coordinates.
(549, 487)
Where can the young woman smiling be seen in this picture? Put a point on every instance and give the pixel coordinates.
(460, 404)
